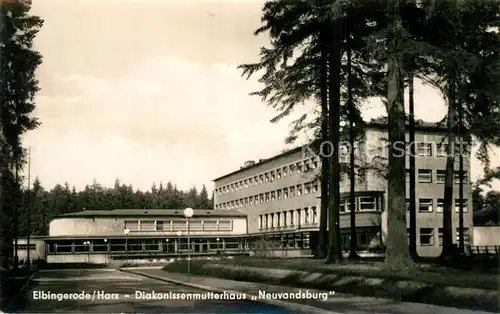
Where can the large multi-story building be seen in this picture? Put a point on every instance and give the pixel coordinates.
(281, 194)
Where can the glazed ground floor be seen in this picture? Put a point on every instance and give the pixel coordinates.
(285, 244)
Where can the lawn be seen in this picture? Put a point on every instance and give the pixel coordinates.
(427, 272)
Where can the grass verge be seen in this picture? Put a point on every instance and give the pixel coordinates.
(429, 273)
(407, 290)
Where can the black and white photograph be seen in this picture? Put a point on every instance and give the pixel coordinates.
(250, 156)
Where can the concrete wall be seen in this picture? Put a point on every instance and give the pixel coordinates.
(78, 258)
(82, 227)
(486, 236)
(40, 251)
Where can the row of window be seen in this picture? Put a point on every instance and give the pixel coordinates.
(289, 218)
(427, 236)
(422, 149)
(300, 240)
(284, 193)
(441, 149)
(426, 205)
(145, 245)
(270, 176)
(178, 225)
(426, 176)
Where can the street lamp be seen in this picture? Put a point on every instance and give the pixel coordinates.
(126, 231)
(188, 213)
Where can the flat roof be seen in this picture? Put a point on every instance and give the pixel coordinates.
(151, 213)
(379, 123)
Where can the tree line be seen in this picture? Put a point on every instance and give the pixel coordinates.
(342, 53)
(38, 206)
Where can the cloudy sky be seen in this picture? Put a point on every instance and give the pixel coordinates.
(148, 91)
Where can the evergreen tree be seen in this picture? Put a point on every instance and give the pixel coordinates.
(17, 90)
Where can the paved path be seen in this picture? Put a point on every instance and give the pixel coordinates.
(339, 303)
(112, 291)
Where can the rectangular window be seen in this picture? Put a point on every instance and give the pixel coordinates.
(442, 150)
(424, 176)
(466, 235)
(314, 215)
(159, 225)
(440, 176)
(278, 173)
(179, 225)
(299, 190)
(426, 236)
(314, 163)
(261, 221)
(132, 225)
(440, 205)
(278, 194)
(307, 189)
(424, 149)
(315, 188)
(425, 205)
(225, 225)
(267, 197)
(285, 193)
(147, 225)
(285, 171)
(273, 196)
(209, 225)
(457, 177)
(292, 191)
(367, 204)
(292, 218)
(306, 215)
(457, 205)
(299, 167)
(195, 225)
(342, 207)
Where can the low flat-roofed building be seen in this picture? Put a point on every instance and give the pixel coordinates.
(99, 236)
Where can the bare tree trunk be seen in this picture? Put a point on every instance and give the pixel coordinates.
(353, 245)
(413, 205)
(448, 247)
(461, 240)
(397, 253)
(334, 243)
(325, 166)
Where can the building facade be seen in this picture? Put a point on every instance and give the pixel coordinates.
(103, 236)
(281, 194)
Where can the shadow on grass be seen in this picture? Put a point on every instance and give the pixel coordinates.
(73, 266)
(389, 287)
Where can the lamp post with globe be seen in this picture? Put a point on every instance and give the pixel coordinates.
(188, 213)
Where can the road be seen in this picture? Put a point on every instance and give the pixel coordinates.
(120, 298)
